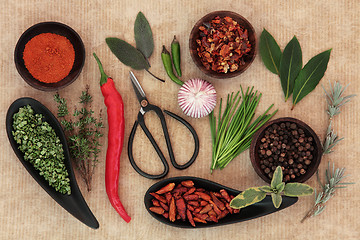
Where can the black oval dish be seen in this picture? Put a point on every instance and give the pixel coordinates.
(56, 28)
(73, 203)
(254, 211)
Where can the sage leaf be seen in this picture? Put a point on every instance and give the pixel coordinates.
(276, 199)
(143, 35)
(297, 189)
(290, 66)
(280, 187)
(310, 76)
(266, 189)
(277, 177)
(270, 52)
(127, 54)
(247, 197)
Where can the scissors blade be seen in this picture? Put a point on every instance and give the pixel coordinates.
(140, 94)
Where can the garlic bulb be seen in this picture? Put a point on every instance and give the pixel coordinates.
(197, 98)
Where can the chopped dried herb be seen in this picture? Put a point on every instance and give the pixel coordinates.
(41, 147)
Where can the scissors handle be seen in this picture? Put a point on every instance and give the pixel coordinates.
(131, 157)
(141, 122)
(196, 141)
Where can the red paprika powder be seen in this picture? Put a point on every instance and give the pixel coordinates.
(49, 57)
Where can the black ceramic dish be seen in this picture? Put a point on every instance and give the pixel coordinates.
(254, 211)
(56, 28)
(73, 203)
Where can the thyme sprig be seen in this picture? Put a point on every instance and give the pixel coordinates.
(335, 100)
(83, 133)
(333, 178)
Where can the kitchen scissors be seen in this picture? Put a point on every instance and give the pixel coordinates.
(145, 107)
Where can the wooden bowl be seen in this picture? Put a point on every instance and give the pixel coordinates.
(59, 29)
(195, 34)
(316, 153)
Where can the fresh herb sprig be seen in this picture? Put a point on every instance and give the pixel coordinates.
(335, 100)
(333, 178)
(137, 58)
(41, 147)
(276, 189)
(234, 129)
(83, 134)
(294, 78)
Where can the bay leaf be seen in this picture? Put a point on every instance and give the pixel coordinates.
(290, 66)
(310, 76)
(143, 35)
(247, 197)
(297, 189)
(270, 52)
(127, 54)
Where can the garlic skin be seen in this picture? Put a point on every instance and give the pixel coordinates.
(197, 98)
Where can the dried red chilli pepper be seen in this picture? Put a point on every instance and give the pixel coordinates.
(115, 111)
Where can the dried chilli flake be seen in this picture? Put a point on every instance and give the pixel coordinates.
(222, 45)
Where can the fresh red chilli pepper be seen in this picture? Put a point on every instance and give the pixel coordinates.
(116, 122)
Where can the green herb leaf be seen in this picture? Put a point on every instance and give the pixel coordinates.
(277, 177)
(310, 76)
(266, 189)
(290, 66)
(276, 199)
(247, 197)
(280, 187)
(270, 52)
(297, 189)
(127, 54)
(143, 35)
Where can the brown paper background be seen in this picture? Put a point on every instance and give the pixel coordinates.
(27, 212)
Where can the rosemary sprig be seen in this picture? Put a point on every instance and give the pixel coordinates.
(333, 178)
(334, 100)
(83, 135)
(331, 139)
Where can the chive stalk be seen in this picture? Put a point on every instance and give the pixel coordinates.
(233, 131)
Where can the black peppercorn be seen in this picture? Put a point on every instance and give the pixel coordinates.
(268, 152)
